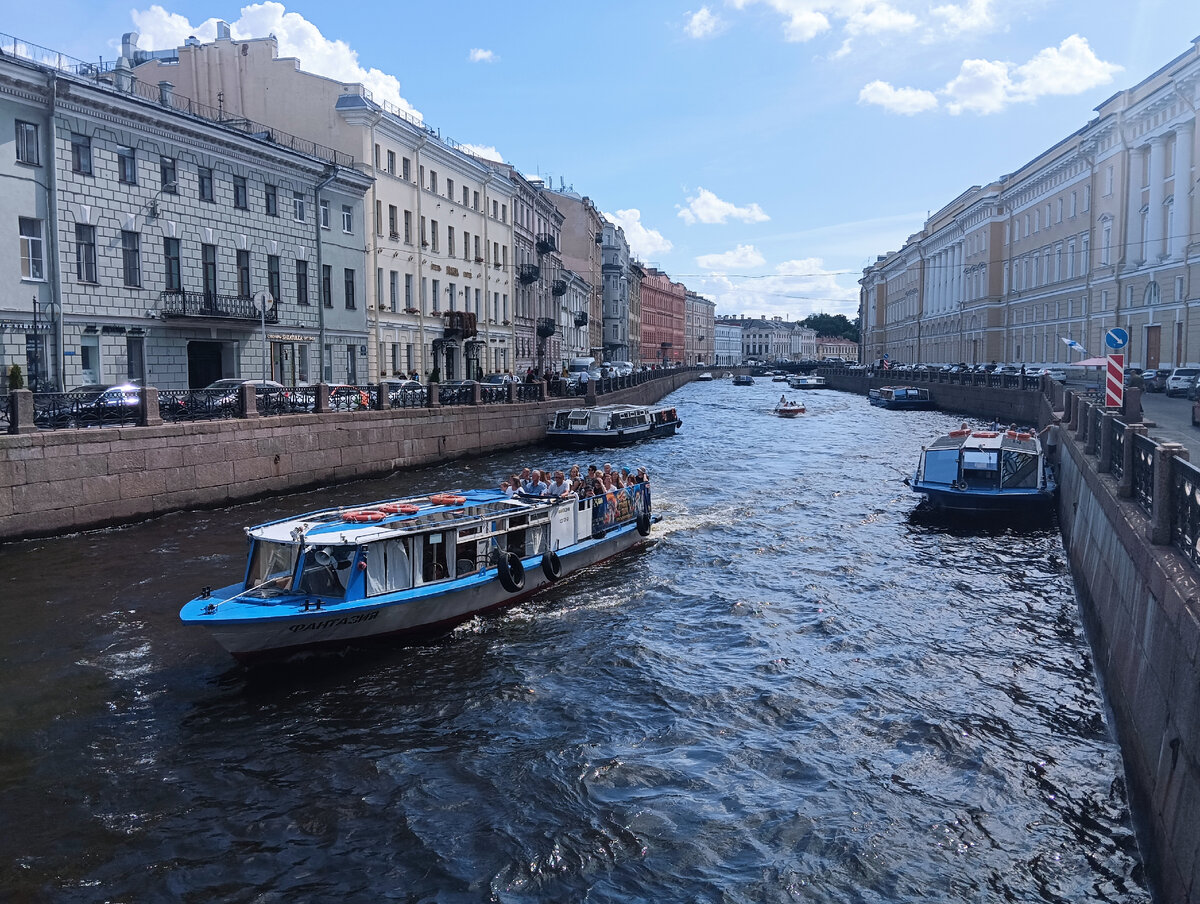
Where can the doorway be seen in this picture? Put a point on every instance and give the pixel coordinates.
(1154, 347)
(204, 364)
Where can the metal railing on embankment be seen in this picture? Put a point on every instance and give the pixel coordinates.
(1156, 476)
(22, 411)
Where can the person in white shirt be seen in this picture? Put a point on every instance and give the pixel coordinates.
(558, 486)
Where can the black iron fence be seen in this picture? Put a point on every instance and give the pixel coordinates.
(1143, 472)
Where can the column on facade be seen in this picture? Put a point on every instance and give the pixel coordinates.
(1154, 214)
(1182, 228)
(1134, 252)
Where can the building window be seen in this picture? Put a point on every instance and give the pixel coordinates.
(406, 168)
(347, 219)
(208, 269)
(85, 253)
(408, 227)
(127, 165)
(474, 200)
(466, 197)
(327, 285)
(271, 200)
(348, 280)
(167, 180)
(408, 290)
(433, 233)
(243, 274)
(171, 270)
(297, 207)
(436, 303)
(450, 241)
(393, 225)
(302, 282)
(433, 181)
(27, 143)
(81, 154)
(393, 289)
(131, 258)
(324, 214)
(206, 184)
(241, 198)
(391, 162)
(32, 259)
(274, 285)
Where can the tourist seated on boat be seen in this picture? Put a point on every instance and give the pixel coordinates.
(573, 473)
(506, 488)
(536, 486)
(558, 486)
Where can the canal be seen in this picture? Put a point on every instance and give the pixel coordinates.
(796, 692)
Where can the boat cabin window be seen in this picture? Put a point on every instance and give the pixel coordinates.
(1018, 470)
(271, 566)
(389, 566)
(561, 420)
(326, 571)
(941, 466)
(434, 565)
(980, 469)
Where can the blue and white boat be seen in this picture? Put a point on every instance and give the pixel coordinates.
(610, 425)
(997, 471)
(807, 381)
(405, 566)
(902, 398)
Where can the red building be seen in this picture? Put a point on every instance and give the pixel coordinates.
(662, 318)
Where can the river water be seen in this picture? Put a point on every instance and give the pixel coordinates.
(796, 692)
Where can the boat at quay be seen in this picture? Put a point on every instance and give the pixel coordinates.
(610, 425)
(902, 398)
(408, 565)
(986, 471)
(807, 381)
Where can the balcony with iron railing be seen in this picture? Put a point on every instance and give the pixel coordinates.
(545, 243)
(528, 273)
(558, 288)
(545, 327)
(210, 306)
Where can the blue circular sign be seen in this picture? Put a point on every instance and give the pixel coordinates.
(1116, 338)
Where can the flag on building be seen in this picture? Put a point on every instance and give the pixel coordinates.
(1072, 344)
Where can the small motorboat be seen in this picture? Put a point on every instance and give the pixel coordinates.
(704, 377)
(788, 408)
(743, 380)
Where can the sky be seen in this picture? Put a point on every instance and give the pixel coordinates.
(761, 152)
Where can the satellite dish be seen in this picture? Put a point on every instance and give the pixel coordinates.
(262, 300)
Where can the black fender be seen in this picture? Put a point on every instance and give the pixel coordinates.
(552, 566)
(643, 524)
(511, 572)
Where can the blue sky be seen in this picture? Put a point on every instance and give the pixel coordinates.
(762, 152)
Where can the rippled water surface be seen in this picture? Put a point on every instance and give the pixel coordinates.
(796, 692)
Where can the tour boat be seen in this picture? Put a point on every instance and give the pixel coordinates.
(902, 398)
(743, 380)
(610, 425)
(705, 377)
(807, 381)
(985, 471)
(404, 566)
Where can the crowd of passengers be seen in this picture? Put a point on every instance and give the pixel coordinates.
(574, 482)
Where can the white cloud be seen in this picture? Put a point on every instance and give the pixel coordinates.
(296, 36)
(990, 86)
(880, 18)
(975, 15)
(740, 258)
(479, 55)
(645, 244)
(485, 151)
(804, 20)
(703, 24)
(794, 290)
(706, 207)
(899, 100)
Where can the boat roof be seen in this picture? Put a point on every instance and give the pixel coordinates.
(1007, 440)
(332, 526)
(614, 409)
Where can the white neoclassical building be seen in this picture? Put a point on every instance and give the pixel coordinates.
(1098, 231)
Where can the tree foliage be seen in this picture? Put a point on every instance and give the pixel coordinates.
(832, 325)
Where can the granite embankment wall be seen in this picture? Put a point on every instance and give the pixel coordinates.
(986, 402)
(1140, 602)
(55, 482)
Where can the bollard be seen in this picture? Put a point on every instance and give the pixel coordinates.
(149, 414)
(1068, 400)
(247, 400)
(1079, 420)
(1158, 531)
(432, 398)
(1125, 487)
(383, 398)
(476, 393)
(512, 392)
(1132, 404)
(321, 403)
(20, 412)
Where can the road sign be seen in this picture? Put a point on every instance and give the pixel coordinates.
(1114, 395)
(1116, 338)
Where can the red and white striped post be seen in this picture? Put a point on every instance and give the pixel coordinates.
(1114, 395)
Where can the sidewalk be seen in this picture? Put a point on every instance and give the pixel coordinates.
(1172, 419)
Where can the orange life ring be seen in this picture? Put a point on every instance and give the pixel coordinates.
(1024, 436)
(1012, 434)
(959, 432)
(447, 499)
(984, 435)
(363, 516)
(399, 508)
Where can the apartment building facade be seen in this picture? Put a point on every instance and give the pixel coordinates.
(1095, 232)
(699, 318)
(440, 288)
(154, 242)
(663, 321)
(582, 241)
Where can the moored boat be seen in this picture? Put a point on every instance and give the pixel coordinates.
(807, 381)
(610, 425)
(743, 380)
(416, 564)
(1002, 471)
(902, 398)
(704, 377)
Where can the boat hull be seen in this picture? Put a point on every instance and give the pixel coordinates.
(404, 614)
(595, 439)
(969, 501)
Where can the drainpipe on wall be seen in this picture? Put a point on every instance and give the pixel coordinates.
(52, 239)
(330, 175)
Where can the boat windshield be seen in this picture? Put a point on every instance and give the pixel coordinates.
(326, 570)
(1018, 470)
(941, 466)
(979, 469)
(271, 566)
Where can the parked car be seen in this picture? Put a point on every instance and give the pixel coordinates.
(1154, 380)
(1056, 373)
(223, 394)
(404, 393)
(1181, 380)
